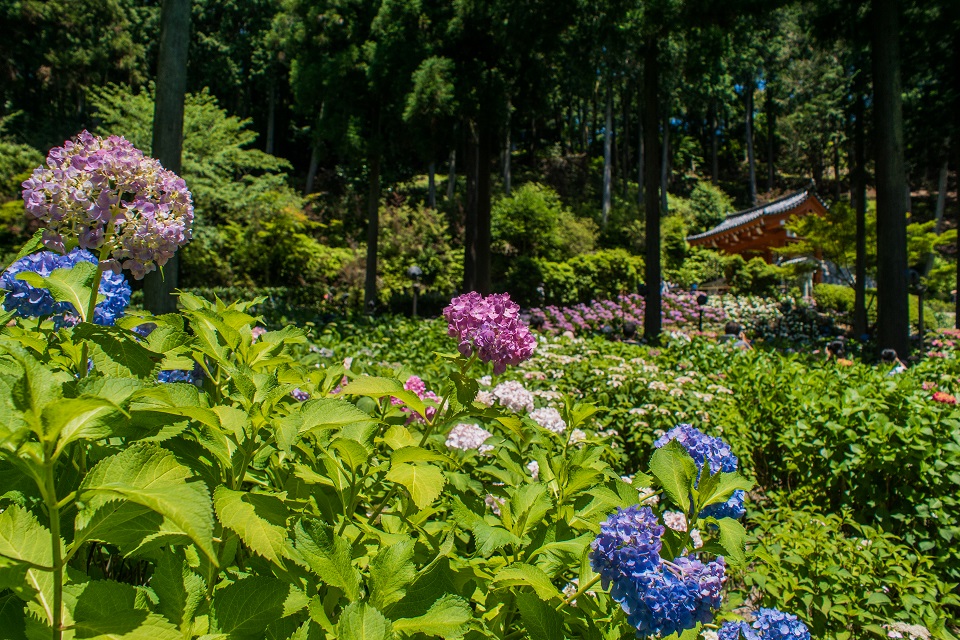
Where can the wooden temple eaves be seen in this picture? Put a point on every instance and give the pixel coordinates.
(761, 230)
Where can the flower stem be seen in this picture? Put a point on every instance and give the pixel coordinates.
(53, 511)
(580, 591)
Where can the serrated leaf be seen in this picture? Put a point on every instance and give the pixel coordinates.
(360, 621)
(398, 437)
(488, 538)
(391, 571)
(432, 583)
(720, 488)
(152, 477)
(245, 609)
(117, 352)
(328, 556)
(34, 244)
(179, 590)
(733, 538)
(446, 618)
(259, 519)
(415, 454)
(128, 625)
(375, 387)
(73, 419)
(351, 452)
(423, 481)
(676, 472)
(73, 285)
(24, 539)
(541, 620)
(323, 414)
(526, 575)
(526, 508)
(134, 529)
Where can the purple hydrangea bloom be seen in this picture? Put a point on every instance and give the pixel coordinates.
(300, 395)
(703, 448)
(658, 597)
(34, 302)
(491, 328)
(91, 183)
(768, 624)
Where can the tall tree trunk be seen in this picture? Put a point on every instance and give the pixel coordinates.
(640, 153)
(652, 177)
(892, 302)
(714, 145)
(665, 162)
(858, 190)
(314, 166)
(607, 151)
(373, 232)
(432, 185)
(271, 118)
(507, 177)
(751, 160)
(485, 156)
(471, 166)
(624, 141)
(836, 171)
(171, 87)
(452, 175)
(771, 136)
(941, 203)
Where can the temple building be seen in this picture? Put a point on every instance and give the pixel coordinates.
(761, 230)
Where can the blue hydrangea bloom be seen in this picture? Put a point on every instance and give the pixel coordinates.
(628, 545)
(34, 302)
(194, 377)
(773, 624)
(769, 624)
(714, 451)
(114, 289)
(736, 631)
(28, 301)
(659, 598)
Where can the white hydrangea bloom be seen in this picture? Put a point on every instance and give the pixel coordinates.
(467, 437)
(514, 396)
(534, 468)
(549, 418)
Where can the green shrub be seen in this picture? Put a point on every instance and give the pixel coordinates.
(532, 222)
(834, 297)
(755, 277)
(606, 273)
(843, 579)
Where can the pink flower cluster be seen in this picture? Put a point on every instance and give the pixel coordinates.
(90, 183)
(419, 387)
(491, 327)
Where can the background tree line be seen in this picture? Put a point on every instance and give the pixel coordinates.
(316, 131)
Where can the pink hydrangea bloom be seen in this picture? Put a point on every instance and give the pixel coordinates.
(90, 183)
(490, 327)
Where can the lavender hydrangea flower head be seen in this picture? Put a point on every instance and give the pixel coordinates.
(703, 448)
(490, 327)
(106, 191)
(768, 624)
(35, 302)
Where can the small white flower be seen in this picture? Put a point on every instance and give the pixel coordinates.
(467, 437)
(534, 468)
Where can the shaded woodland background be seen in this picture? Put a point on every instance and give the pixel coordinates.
(513, 145)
